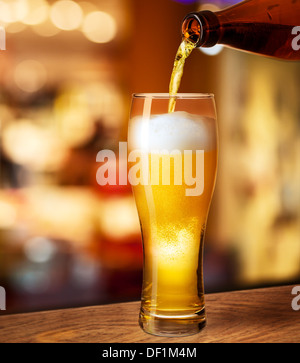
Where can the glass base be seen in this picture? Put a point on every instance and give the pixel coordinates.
(172, 326)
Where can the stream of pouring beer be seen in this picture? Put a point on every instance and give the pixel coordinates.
(183, 52)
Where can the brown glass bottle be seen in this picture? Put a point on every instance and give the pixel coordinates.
(267, 27)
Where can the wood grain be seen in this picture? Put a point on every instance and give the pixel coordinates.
(260, 315)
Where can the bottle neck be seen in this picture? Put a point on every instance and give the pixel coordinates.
(201, 28)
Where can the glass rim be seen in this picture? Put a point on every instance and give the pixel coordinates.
(178, 95)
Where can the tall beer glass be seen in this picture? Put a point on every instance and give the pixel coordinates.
(173, 162)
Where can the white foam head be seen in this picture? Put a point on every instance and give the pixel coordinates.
(172, 131)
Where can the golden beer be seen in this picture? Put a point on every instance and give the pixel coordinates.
(177, 154)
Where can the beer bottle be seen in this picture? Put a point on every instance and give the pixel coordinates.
(267, 27)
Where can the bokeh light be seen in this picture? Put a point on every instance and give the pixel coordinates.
(74, 123)
(119, 218)
(13, 10)
(32, 146)
(8, 215)
(30, 75)
(66, 15)
(99, 27)
(37, 12)
(46, 28)
(39, 249)
(22, 141)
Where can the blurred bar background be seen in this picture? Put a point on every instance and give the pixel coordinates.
(66, 77)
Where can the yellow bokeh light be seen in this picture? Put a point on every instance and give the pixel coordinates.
(75, 124)
(21, 141)
(46, 28)
(99, 27)
(8, 215)
(119, 218)
(13, 10)
(32, 146)
(30, 75)
(37, 12)
(66, 15)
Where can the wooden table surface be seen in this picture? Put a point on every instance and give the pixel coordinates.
(260, 315)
